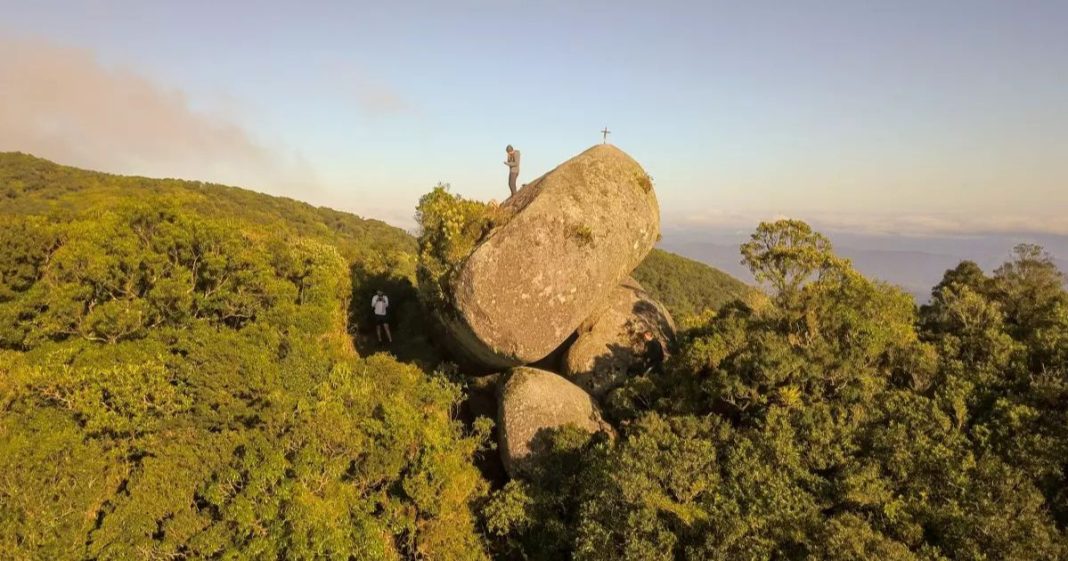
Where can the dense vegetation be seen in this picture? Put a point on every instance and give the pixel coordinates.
(32, 186)
(177, 381)
(687, 287)
(450, 227)
(379, 255)
(833, 421)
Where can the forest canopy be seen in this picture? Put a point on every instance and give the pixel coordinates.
(182, 376)
(833, 421)
(178, 380)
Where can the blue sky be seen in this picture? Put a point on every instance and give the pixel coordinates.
(909, 117)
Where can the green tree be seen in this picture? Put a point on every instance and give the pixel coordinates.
(830, 422)
(786, 254)
(449, 228)
(181, 383)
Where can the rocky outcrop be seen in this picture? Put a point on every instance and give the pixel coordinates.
(571, 236)
(533, 402)
(609, 346)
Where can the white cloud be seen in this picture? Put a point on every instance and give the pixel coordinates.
(374, 96)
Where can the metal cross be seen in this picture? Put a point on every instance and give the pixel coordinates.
(605, 133)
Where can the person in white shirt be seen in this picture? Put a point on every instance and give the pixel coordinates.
(380, 305)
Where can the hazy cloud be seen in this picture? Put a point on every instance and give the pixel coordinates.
(376, 97)
(61, 103)
(920, 224)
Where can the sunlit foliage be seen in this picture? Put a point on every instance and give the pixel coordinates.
(834, 421)
(178, 382)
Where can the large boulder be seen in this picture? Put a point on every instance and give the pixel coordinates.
(533, 402)
(568, 238)
(609, 346)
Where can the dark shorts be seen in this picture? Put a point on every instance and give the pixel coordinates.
(381, 320)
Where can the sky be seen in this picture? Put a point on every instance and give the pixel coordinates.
(899, 117)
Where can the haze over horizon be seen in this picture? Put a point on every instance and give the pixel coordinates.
(916, 118)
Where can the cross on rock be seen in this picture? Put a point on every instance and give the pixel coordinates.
(605, 134)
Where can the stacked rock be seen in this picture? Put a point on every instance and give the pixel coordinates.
(560, 266)
(605, 351)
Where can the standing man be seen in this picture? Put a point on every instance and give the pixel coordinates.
(380, 304)
(513, 166)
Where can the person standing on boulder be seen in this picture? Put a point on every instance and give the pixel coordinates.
(380, 305)
(513, 166)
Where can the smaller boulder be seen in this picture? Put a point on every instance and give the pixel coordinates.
(609, 347)
(534, 402)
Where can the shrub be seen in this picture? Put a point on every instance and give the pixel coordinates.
(450, 227)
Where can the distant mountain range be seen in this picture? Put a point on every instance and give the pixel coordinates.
(914, 263)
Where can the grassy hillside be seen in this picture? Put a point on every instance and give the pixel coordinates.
(685, 286)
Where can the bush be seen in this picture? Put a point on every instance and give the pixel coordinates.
(450, 227)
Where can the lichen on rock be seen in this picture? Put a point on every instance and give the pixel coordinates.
(570, 237)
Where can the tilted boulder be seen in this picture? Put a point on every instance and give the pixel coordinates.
(534, 402)
(609, 346)
(571, 236)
